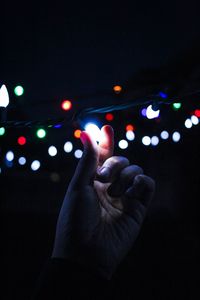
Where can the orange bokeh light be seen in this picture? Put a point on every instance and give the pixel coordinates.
(130, 127)
(77, 133)
(117, 89)
(66, 105)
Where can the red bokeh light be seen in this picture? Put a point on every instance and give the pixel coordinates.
(109, 117)
(21, 140)
(197, 113)
(130, 127)
(66, 105)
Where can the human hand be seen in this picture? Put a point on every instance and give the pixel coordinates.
(104, 207)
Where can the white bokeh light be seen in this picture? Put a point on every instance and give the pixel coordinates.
(68, 147)
(10, 156)
(176, 136)
(123, 144)
(35, 165)
(78, 153)
(154, 141)
(93, 131)
(52, 151)
(22, 160)
(188, 123)
(195, 120)
(152, 114)
(130, 135)
(164, 135)
(146, 140)
(4, 97)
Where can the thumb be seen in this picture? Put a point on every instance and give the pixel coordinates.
(87, 165)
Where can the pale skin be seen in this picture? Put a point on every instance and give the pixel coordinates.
(104, 207)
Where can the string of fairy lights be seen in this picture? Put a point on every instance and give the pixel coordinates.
(148, 112)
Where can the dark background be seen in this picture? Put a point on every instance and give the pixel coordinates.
(75, 50)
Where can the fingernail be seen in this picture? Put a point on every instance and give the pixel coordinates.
(105, 172)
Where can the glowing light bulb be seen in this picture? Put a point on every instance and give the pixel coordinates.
(123, 144)
(152, 114)
(19, 90)
(68, 146)
(21, 140)
(78, 153)
(52, 151)
(154, 141)
(188, 123)
(195, 120)
(66, 105)
(176, 136)
(146, 140)
(93, 131)
(41, 133)
(117, 89)
(22, 160)
(9, 155)
(4, 97)
(164, 135)
(130, 135)
(35, 165)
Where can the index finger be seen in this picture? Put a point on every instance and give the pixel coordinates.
(106, 144)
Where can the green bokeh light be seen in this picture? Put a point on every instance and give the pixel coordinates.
(41, 133)
(2, 130)
(176, 106)
(19, 90)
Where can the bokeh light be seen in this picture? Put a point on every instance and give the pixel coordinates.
(123, 144)
(188, 123)
(176, 106)
(154, 140)
(176, 136)
(94, 131)
(130, 127)
(146, 140)
(68, 146)
(2, 130)
(10, 156)
(52, 151)
(164, 135)
(78, 153)
(195, 120)
(152, 114)
(35, 165)
(109, 117)
(41, 133)
(21, 140)
(130, 135)
(66, 105)
(197, 113)
(19, 90)
(117, 89)
(77, 133)
(22, 160)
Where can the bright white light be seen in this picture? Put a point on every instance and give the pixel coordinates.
(93, 131)
(176, 136)
(123, 144)
(194, 120)
(35, 165)
(188, 123)
(130, 135)
(52, 151)
(78, 153)
(4, 97)
(154, 141)
(9, 155)
(146, 140)
(22, 161)
(164, 135)
(68, 147)
(152, 114)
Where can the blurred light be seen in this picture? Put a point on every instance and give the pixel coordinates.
(117, 89)
(188, 123)
(9, 155)
(164, 135)
(22, 160)
(21, 140)
(130, 135)
(152, 114)
(0, 171)
(55, 177)
(57, 126)
(163, 95)
(2, 130)
(77, 133)
(123, 144)
(176, 136)
(195, 120)
(19, 90)
(4, 97)
(144, 112)
(109, 117)
(68, 147)
(35, 165)
(146, 140)
(41, 133)
(52, 151)
(9, 164)
(130, 127)
(94, 131)
(154, 141)
(197, 113)
(66, 105)
(78, 153)
(176, 106)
